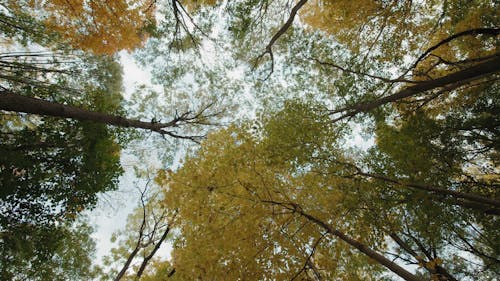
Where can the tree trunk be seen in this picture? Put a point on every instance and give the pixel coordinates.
(127, 263)
(146, 260)
(401, 272)
(451, 81)
(14, 102)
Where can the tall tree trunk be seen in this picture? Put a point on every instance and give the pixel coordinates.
(451, 81)
(127, 263)
(140, 239)
(10, 101)
(401, 272)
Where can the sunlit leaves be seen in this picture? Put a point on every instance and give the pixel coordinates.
(97, 26)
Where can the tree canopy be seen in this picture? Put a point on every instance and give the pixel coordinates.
(324, 139)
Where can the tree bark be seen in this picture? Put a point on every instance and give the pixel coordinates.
(146, 260)
(401, 272)
(451, 81)
(14, 102)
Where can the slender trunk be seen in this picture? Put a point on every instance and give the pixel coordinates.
(14, 102)
(451, 81)
(127, 263)
(146, 260)
(401, 272)
(139, 240)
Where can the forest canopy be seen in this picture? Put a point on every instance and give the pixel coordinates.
(285, 140)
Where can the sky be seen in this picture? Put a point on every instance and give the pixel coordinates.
(112, 210)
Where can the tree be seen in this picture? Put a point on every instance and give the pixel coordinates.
(18, 103)
(32, 252)
(288, 199)
(239, 220)
(50, 171)
(148, 228)
(103, 28)
(288, 202)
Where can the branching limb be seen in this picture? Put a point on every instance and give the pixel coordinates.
(158, 244)
(308, 263)
(470, 32)
(435, 270)
(451, 81)
(269, 48)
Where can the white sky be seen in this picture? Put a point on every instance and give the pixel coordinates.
(113, 208)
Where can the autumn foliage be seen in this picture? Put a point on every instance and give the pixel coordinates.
(102, 27)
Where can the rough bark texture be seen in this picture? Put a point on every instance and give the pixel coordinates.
(14, 102)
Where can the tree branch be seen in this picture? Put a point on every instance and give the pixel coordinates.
(456, 194)
(451, 81)
(403, 273)
(470, 32)
(278, 34)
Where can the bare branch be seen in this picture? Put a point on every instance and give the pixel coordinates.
(155, 249)
(269, 48)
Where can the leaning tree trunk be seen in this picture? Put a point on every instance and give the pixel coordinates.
(10, 101)
(387, 263)
(450, 81)
(401, 272)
